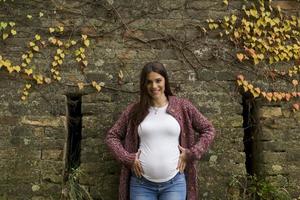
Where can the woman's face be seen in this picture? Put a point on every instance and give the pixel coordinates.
(155, 85)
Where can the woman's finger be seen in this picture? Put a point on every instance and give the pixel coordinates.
(140, 167)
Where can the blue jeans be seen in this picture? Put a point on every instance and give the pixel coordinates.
(143, 189)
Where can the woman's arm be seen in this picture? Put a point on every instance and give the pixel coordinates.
(206, 130)
(114, 137)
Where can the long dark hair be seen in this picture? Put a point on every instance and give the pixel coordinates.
(140, 110)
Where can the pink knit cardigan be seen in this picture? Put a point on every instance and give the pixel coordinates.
(122, 139)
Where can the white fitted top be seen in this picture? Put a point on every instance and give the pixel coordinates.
(159, 140)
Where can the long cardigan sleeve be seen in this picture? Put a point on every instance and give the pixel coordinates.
(115, 136)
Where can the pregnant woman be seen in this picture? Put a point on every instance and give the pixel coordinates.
(155, 141)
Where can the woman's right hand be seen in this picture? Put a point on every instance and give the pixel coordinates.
(137, 167)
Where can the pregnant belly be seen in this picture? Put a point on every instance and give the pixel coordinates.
(159, 167)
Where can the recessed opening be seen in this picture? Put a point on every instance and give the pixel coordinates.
(73, 139)
(251, 130)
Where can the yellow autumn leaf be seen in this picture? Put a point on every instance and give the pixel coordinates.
(56, 58)
(86, 43)
(82, 56)
(23, 98)
(28, 86)
(51, 30)
(58, 78)
(12, 24)
(62, 55)
(61, 28)
(41, 14)
(54, 63)
(81, 50)
(25, 93)
(78, 59)
(254, 13)
(84, 37)
(255, 94)
(260, 56)
(85, 63)
(94, 83)
(80, 86)
(29, 16)
(28, 71)
(239, 82)
(47, 80)
(59, 43)
(255, 60)
(225, 2)
(4, 36)
(37, 37)
(10, 69)
(236, 34)
(31, 44)
(28, 60)
(17, 68)
(36, 48)
(295, 82)
(233, 19)
(24, 56)
(59, 51)
(13, 32)
(73, 42)
(98, 88)
(60, 61)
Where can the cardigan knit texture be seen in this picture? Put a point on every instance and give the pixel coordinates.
(122, 140)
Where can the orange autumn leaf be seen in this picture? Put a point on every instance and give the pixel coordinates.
(240, 77)
(288, 96)
(257, 90)
(296, 106)
(269, 98)
(251, 52)
(240, 56)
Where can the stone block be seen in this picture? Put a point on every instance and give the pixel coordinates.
(55, 132)
(270, 112)
(97, 108)
(274, 157)
(43, 121)
(52, 154)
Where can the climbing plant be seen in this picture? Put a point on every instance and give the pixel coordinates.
(31, 73)
(267, 38)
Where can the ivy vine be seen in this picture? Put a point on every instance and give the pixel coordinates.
(264, 35)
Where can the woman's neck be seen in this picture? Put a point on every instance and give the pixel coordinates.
(159, 102)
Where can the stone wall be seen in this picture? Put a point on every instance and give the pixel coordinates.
(124, 35)
(279, 141)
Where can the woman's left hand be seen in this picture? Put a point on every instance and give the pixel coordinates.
(182, 159)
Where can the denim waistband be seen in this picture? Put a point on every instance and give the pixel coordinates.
(143, 179)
